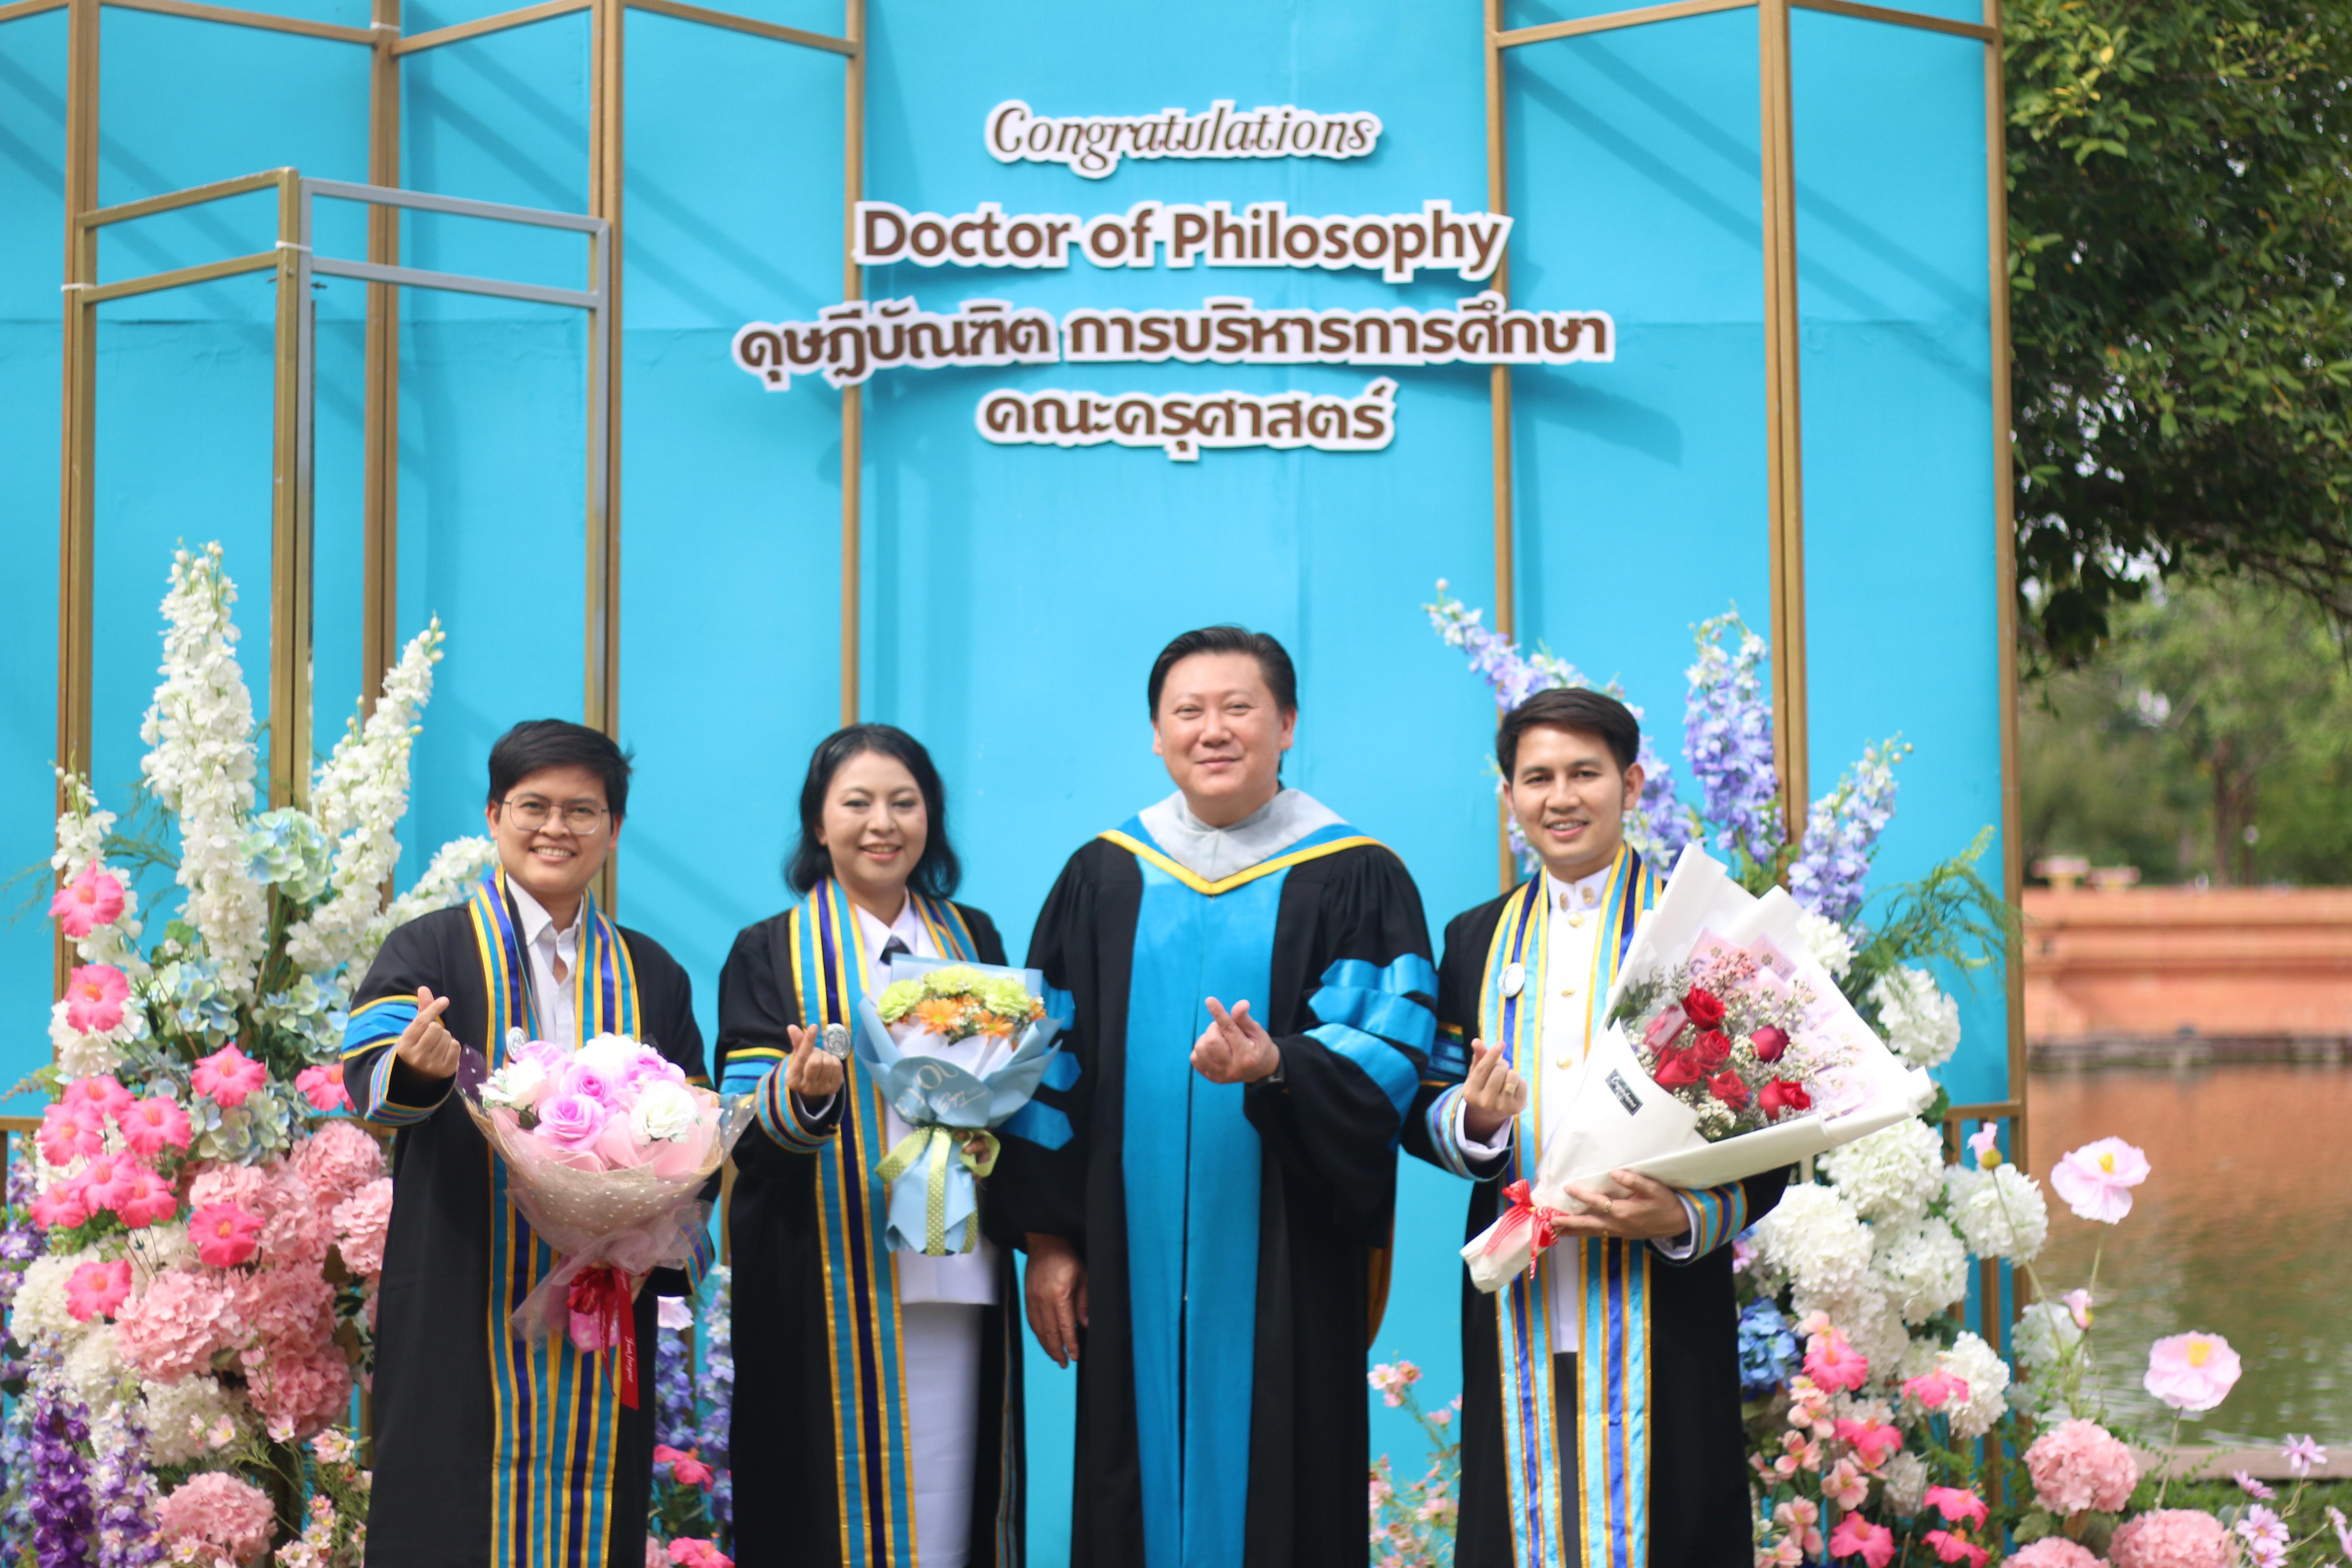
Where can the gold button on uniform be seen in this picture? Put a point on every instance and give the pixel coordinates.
(1575, 920)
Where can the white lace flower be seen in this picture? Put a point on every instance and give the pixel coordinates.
(1922, 1267)
(1892, 1174)
(1979, 1366)
(1999, 1213)
(1826, 942)
(1905, 1477)
(1922, 1024)
(1814, 1237)
(200, 765)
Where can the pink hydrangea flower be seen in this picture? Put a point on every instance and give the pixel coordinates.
(154, 1124)
(361, 1221)
(61, 1206)
(217, 1509)
(146, 1199)
(70, 1132)
(2053, 1552)
(90, 901)
(298, 1223)
(294, 1308)
(176, 1327)
(2192, 1372)
(2097, 1180)
(225, 1235)
(96, 1289)
(1833, 1364)
(337, 1160)
(2170, 1538)
(228, 1075)
(298, 1391)
(95, 994)
(227, 1184)
(1857, 1537)
(2078, 1465)
(322, 1086)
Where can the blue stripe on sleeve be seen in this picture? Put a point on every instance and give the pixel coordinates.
(1390, 1017)
(1408, 974)
(1061, 1071)
(1381, 1062)
(378, 1021)
(1039, 1124)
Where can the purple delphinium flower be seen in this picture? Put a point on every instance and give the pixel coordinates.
(1841, 834)
(674, 1412)
(125, 1500)
(1728, 739)
(715, 1393)
(15, 1497)
(57, 1484)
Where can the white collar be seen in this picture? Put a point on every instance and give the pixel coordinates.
(906, 927)
(1584, 893)
(1216, 853)
(536, 921)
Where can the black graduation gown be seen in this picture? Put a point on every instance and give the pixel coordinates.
(1699, 1509)
(1327, 1197)
(782, 1446)
(434, 1404)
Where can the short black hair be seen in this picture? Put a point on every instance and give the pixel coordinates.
(537, 745)
(938, 873)
(1570, 708)
(1273, 661)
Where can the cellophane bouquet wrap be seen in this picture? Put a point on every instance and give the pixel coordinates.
(1727, 1051)
(956, 1049)
(607, 1150)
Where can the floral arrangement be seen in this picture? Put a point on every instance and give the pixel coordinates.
(1725, 1032)
(693, 1515)
(195, 1233)
(1412, 1524)
(956, 1003)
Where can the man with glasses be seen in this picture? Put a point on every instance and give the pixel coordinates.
(490, 1453)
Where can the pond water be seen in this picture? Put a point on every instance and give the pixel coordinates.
(2243, 1228)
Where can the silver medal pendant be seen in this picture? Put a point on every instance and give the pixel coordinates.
(1515, 979)
(835, 1042)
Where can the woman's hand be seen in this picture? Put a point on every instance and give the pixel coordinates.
(811, 1072)
(424, 1045)
(1493, 1095)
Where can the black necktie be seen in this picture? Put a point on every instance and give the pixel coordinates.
(893, 948)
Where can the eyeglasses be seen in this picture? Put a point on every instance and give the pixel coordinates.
(532, 814)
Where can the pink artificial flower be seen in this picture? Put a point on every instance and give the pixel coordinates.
(672, 1312)
(2301, 1454)
(1846, 1485)
(2053, 1552)
(295, 1308)
(1873, 1441)
(174, 1329)
(686, 1466)
(1743, 1253)
(589, 1081)
(1392, 1381)
(1934, 1389)
(2097, 1180)
(1985, 1145)
(337, 1160)
(1798, 1453)
(2251, 1487)
(298, 1388)
(1857, 1537)
(90, 901)
(2342, 1527)
(2079, 1465)
(215, 1509)
(2265, 1535)
(228, 1075)
(2078, 1307)
(106, 1181)
(322, 1086)
(1664, 1028)
(152, 1124)
(62, 1206)
(688, 1552)
(95, 994)
(362, 1221)
(1801, 1518)
(656, 1555)
(1957, 1504)
(69, 1132)
(244, 1186)
(96, 1289)
(297, 1225)
(1833, 1363)
(225, 1235)
(2170, 1538)
(146, 1199)
(572, 1120)
(100, 1093)
(2192, 1372)
(1951, 1548)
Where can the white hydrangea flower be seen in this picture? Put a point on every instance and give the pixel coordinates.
(1826, 942)
(1892, 1174)
(1922, 1265)
(80, 1055)
(200, 765)
(180, 1414)
(1905, 1479)
(1922, 1024)
(39, 1312)
(2045, 1331)
(456, 867)
(1999, 1213)
(1867, 1319)
(1979, 1366)
(95, 1370)
(1816, 1238)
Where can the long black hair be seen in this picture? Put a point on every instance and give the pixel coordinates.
(937, 873)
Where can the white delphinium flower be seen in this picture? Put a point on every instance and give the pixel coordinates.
(359, 798)
(1826, 942)
(1905, 1479)
(180, 1416)
(1922, 1265)
(1892, 1174)
(82, 849)
(1978, 1365)
(1922, 1024)
(1999, 1213)
(456, 867)
(1815, 1238)
(200, 765)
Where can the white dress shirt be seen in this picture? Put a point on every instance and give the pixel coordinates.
(1572, 945)
(554, 958)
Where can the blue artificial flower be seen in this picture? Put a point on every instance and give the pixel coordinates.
(1767, 1350)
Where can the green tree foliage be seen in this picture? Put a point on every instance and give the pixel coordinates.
(2211, 712)
(2180, 230)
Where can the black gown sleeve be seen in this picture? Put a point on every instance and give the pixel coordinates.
(1461, 977)
(755, 1008)
(386, 1089)
(1353, 1058)
(666, 1016)
(1039, 1184)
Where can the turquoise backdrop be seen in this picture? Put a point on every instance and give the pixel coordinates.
(1014, 596)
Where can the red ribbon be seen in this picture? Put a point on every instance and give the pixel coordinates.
(1541, 1221)
(603, 1316)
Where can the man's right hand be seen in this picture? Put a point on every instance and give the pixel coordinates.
(424, 1045)
(1056, 1286)
(1493, 1095)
